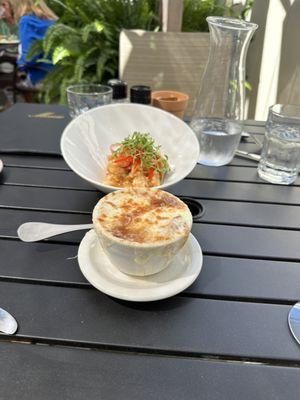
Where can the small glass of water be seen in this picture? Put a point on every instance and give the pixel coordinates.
(83, 97)
(219, 138)
(280, 156)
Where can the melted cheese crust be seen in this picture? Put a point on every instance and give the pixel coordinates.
(142, 216)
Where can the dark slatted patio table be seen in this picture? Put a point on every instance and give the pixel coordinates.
(225, 337)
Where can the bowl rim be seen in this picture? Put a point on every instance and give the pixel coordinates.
(118, 105)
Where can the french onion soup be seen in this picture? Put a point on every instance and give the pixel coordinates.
(141, 229)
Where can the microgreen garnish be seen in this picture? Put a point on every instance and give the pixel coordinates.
(141, 146)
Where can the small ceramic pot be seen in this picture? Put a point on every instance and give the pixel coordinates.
(171, 101)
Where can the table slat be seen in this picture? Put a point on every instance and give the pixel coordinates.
(12, 219)
(35, 161)
(48, 199)
(229, 173)
(187, 325)
(84, 201)
(248, 242)
(217, 212)
(238, 191)
(41, 177)
(78, 374)
(257, 280)
(67, 179)
(222, 240)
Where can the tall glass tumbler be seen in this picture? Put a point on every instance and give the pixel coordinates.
(83, 97)
(280, 157)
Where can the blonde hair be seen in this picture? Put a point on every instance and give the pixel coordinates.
(25, 7)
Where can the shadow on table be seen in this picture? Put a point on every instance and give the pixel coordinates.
(169, 304)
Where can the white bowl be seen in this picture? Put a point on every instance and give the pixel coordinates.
(86, 141)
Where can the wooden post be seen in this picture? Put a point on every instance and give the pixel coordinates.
(171, 15)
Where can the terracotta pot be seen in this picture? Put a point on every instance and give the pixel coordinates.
(168, 100)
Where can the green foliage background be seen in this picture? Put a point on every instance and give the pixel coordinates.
(83, 44)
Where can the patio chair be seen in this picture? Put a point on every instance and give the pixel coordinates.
(164, 60)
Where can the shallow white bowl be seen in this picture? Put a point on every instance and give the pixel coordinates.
(86, 141)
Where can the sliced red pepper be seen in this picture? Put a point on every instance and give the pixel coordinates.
(127, 159)
(150, 173)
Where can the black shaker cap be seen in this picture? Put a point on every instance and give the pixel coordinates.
(119, 88)
(140, 94)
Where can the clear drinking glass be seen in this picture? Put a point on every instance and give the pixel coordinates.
(280, 156)
(222, 90)
(83, 97)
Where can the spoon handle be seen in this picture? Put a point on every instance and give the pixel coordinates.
(8, 324)
(35, 231)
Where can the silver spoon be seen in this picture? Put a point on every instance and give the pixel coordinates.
(245, 154)
(35, 231)
(294, 321)
(8, 324)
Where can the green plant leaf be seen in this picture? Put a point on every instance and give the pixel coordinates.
(100, 66)
(59, 53)
(56, 35)
(95, 26)
(79, 68)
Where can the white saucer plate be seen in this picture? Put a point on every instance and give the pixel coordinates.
(1, 165)
(103, 275)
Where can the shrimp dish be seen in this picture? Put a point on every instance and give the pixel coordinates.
(136, 162)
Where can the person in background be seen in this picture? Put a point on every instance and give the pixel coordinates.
(34, 18)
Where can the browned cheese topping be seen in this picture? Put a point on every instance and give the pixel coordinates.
(143, 216)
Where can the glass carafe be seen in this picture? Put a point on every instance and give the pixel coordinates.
(222, 91)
